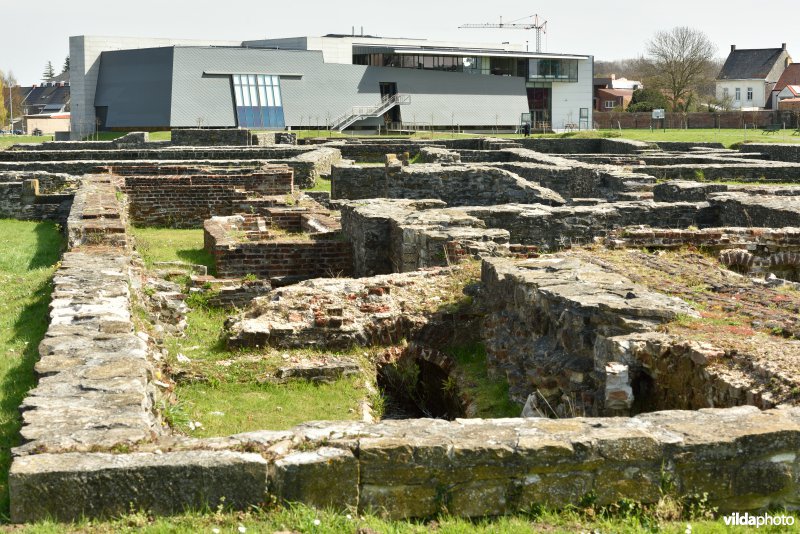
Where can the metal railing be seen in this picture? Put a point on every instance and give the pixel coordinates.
(358, 113)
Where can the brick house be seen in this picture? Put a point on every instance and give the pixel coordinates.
(790, 77)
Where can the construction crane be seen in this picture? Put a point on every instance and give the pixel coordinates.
(534, 24)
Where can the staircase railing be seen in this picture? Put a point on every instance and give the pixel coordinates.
(358, 113)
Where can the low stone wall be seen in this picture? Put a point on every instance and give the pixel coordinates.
(762, 171)
(680, 146)
(230, 137)
(242, 245)
(22, 200)
(185, 201)
(544, 318)
(169, 153)
(130, 140)
(558, 227)
(775, 152)
(467, 185)
(569, 145)
(685, 190)
(310, 166)
(405, 235)
(742, 209)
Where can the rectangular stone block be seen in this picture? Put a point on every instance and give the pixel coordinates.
(69, 486)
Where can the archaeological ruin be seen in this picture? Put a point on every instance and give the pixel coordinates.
(639, 303)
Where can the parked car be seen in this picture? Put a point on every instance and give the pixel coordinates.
(18, 132)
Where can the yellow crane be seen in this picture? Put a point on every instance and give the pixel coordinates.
(534, 24)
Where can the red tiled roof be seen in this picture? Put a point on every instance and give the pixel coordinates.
(790, 76)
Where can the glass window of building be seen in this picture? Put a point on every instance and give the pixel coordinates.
(258, 101)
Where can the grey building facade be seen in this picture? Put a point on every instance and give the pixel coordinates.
(299, 84)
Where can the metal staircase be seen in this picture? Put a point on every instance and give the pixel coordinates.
(364, 112)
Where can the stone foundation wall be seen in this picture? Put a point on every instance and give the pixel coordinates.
(544, 317)
(185, 201)
(230, 137)
(170, 154)
(774, 152)
(731, 172)
(250, 254)
(310, 166)
(472, 185)
(397, 236)
(22, 200)
(584, 146)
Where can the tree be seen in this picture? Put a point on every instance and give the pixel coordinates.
(3, 112)
(8, 80)
(647, 100)
(65, 68)
(678, 62)
(48, 73)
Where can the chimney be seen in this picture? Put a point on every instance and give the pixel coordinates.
(733, 48)
(783, 45)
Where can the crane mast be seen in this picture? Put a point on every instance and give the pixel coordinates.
(534, 24)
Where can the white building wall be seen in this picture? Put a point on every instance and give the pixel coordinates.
(568, 98)
(84, 52)
(759, 93)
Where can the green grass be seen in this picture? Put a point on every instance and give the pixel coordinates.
(110, 136)
(231, 407)
(725, 136)
(298, 518)
(489, 395)
(28, 254)
(10, 140)
(322, 185)
(169, 244)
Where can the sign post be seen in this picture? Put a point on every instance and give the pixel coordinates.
(659, 114)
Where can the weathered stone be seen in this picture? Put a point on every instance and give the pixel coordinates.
(71, 486)
(323, 478)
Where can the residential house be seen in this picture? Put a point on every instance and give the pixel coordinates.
(47, 106)
(748, 76)
(790, 77)
(614, 93)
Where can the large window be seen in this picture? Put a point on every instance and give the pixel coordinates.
(258, 101)
(749, 94)
(468, 64)
(561, 70)
(738, 94)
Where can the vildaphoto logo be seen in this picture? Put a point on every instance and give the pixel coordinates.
(747, 520)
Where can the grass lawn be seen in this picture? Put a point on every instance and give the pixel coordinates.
(322, 185)
(218, 381)
(110, 136)
(727, 136)
(29, 252)
(298, 518)
(164, 244)
(9, 140)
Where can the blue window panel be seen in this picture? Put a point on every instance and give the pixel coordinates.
(258, 101)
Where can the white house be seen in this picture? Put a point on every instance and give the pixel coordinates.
(748, 77)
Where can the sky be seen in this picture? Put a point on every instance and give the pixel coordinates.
(608, 30)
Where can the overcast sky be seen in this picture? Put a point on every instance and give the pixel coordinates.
(31, 36)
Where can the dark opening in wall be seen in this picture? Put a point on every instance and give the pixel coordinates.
(414, 388)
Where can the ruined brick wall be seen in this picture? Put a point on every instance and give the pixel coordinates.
(186, 201)
(310, 166)
(230, 137)
(23, 200)
(299, 259)
(243, 245)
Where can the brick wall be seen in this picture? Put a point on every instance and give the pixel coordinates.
(185, 201)
(301, 258)
(728, 119)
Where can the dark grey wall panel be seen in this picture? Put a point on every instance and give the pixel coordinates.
(136, 85)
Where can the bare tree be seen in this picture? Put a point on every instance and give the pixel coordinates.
(679, 63)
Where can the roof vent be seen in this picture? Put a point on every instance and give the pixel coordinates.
(783, 45)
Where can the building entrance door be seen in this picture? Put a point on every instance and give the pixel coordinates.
(539, 104)
(388, 90)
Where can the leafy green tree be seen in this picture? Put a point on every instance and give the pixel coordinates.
(647, 100)
(65, 68)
